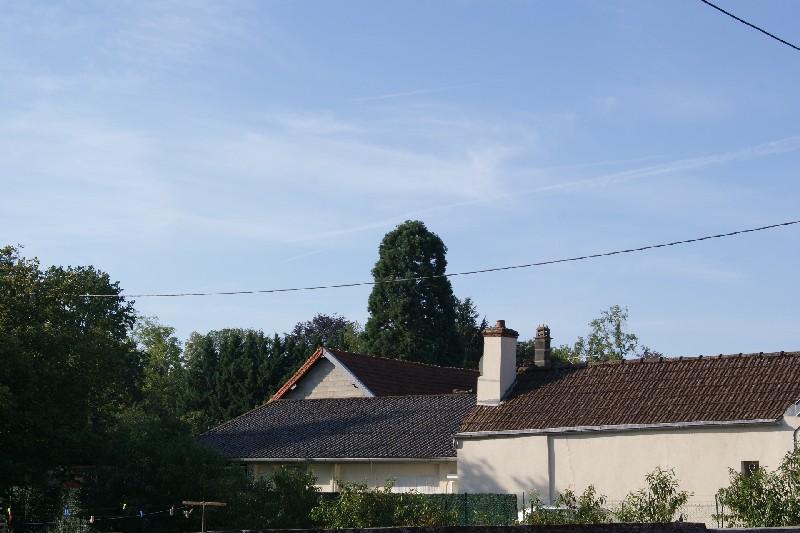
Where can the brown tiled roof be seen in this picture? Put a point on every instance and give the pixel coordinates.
(646, 392)
(395, 427)
(392, 377)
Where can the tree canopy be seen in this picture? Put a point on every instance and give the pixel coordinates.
(413, 319)
(608, 339)
(68, 364)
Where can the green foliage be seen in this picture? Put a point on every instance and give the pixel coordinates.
(469, 328)
(231, 371)
(155, 461)
(763, 498)
(296, 496)
(413, 320)
(357, 506)
(68, 366)
(588, 508)
(281, 500)
(329, 331)
(163, 366)
(659, 502)
(607, 340)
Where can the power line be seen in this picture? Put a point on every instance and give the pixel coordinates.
(751, 25)
(467, 273)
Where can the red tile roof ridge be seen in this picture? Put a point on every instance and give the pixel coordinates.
(526, 365)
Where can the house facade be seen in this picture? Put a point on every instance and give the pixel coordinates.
(553, 428)
(359, 419)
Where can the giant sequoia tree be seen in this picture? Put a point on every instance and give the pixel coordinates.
(413, 319)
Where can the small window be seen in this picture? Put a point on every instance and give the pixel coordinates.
(749, 467)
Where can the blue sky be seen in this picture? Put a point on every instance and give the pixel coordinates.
(225, 146)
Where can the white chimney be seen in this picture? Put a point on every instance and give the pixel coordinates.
(498, 365)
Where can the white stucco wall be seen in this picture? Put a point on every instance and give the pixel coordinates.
(324, 380)
(430, 477)
(616, 462)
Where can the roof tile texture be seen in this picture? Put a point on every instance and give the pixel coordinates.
(394, 377)
(399, 427)
(662, 391)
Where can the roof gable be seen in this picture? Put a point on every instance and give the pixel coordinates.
(740, 388)
(398, 427)
(380, 376)
(394, 377)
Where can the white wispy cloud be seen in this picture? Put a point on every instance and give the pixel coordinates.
(424, 91)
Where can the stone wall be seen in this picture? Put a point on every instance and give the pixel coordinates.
(675, 527)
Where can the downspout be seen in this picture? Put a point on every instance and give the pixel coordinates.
(794, 437)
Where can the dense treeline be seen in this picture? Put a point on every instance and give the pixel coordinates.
(95, 397)
(230, 371)
(100, 409)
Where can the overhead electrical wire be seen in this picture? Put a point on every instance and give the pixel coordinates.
(765, 32)
(467, 273)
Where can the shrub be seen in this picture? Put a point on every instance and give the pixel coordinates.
(588, 508)
(658, 503)
(357, 506)
(762, 498)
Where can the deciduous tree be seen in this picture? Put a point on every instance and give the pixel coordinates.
(608, 339)
(68, 365)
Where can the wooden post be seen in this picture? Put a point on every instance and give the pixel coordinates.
(203, 505)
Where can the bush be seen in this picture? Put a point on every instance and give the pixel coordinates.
(282, 500)
(762, 498)
(588, 508)
(658, 503)
(356, 506)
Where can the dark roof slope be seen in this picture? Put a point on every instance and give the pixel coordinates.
(396, 427)
(393, 377)
(643, 392)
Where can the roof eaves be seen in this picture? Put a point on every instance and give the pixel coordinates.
(615, 428)
(302, 371)
(346, 460)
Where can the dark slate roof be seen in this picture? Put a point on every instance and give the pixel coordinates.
(395, 427)
(644, 392)
(392, 377)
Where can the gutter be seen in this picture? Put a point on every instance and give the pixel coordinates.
(345, 460)
(617, 428)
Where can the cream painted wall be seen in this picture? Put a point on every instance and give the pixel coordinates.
(324, 381)
(432, 475)
(616, 462)
(508, 465)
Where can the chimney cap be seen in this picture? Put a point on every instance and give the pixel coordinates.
(500, 330)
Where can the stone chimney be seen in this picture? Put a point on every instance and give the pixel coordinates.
(541, 347)
(498, 365)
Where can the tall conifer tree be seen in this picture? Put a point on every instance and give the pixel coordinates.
(413, 320)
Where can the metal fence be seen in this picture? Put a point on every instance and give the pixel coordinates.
(479, 509)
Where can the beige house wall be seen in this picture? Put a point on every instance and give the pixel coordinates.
(324, 380)
(616, 462)
(424, 477)
(507, 465)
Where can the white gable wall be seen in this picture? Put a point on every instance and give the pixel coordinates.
(324, 380)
